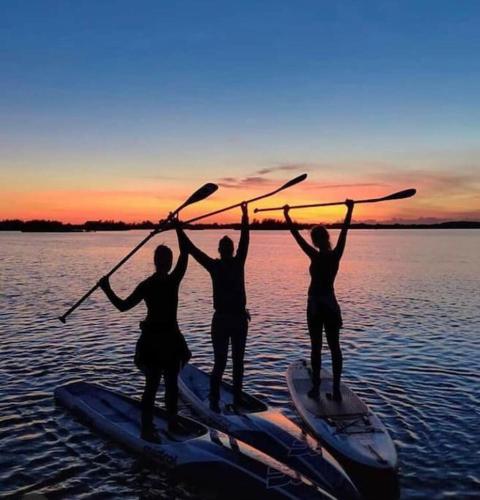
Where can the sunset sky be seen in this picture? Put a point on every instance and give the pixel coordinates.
(119, 110)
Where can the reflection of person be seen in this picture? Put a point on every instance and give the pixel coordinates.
(323, 311)
(230, 320)
(161, 348)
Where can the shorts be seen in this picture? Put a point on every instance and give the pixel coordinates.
(158, 349)
(324, 311)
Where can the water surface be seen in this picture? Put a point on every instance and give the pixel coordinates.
(411, 342)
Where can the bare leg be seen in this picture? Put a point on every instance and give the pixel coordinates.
(239, 339)
(152, 381)
(220, 340)
(171, 389)
(333, 339)
(315, 330)
(171, 398)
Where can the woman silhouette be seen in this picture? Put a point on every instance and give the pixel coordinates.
(323, 311)
(230, 320)
(161, 348)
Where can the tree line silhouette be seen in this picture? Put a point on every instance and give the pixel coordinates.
(54, 226)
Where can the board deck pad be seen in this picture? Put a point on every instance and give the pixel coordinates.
(350, 405)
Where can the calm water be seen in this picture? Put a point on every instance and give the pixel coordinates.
(411, 306)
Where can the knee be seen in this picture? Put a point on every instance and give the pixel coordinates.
(219, 367)
(171, 384)
(151, 384)
(316, 347)
(171, 393)
(148, 398)
(150, 390)
(334, 345)
(238, 368)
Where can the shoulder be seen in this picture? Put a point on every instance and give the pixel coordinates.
(147, 283)
(238, 260)
(334, 253)
(216, 265)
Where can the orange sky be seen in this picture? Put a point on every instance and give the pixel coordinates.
(437, 198)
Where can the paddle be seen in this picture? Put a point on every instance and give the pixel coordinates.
(204, 192)
(288, 184)
(407, 193)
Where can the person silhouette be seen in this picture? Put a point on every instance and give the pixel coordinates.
(323, 311)
(230, 319)
(161, 348)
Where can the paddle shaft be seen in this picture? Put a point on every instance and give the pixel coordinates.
(118, 265)
(231, 207)
(298, 179)
(332, 204)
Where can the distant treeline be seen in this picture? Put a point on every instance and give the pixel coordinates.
(265, 224)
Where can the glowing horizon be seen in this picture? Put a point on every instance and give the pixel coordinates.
(137, 205)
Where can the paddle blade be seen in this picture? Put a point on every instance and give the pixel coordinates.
(407, 193)
(200, 194)
(292, 182)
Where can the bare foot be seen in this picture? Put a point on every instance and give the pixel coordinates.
(177, 427)
(336, 396)
(151, 435)
(314, 393)
(214, 406)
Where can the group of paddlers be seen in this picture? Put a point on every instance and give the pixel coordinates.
(162, 349)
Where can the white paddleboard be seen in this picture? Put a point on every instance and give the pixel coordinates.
(349, 428)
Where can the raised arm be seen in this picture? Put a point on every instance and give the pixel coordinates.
(244, 235)
(202, 258)
(121, 304)
(302, 243)
(179, 272)
(342, 239)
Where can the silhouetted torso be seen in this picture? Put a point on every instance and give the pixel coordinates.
(228, 280)
(323, 270)
(160, 293)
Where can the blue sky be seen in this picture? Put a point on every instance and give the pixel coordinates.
(116, 95)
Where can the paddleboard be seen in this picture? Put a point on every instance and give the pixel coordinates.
(266, 429)
(229, 467)
(349, 429)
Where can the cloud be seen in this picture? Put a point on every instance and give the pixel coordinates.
(458, 181)
(320, 185)
(257, 178)
(251, 181)
(284, 167)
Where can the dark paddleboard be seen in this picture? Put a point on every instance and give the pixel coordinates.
(205, 456)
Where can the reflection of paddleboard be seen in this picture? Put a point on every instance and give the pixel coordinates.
(349, 429)
(267, 430)
(203, 455)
